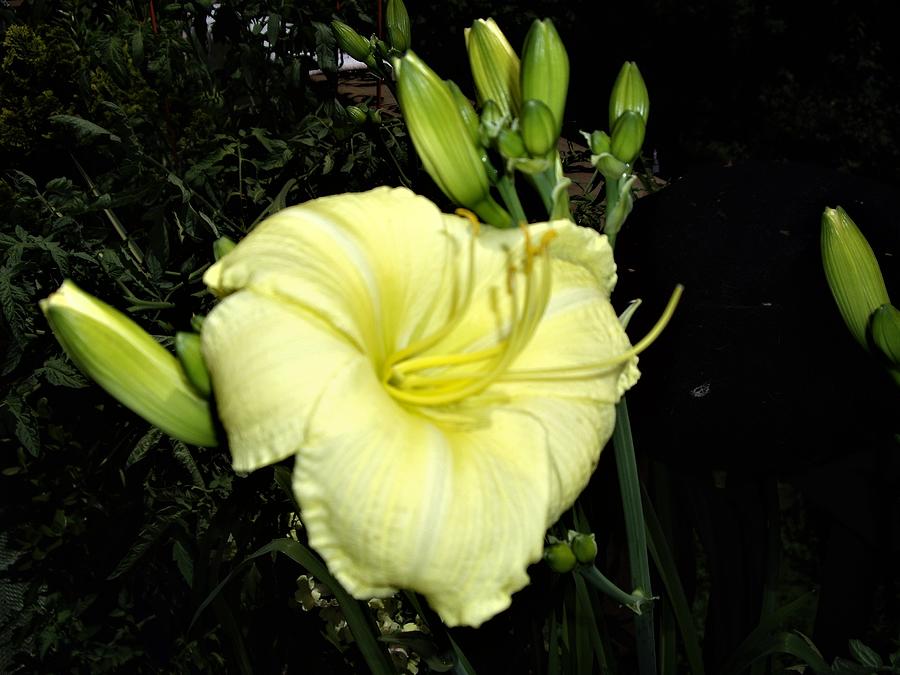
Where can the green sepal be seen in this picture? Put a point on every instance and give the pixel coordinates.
(187, 349)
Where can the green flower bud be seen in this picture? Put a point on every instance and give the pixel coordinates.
(627, 136)
(466, 111)
(600, 142)
(559, 557)
(351, 42)
(545, 69)
(852, 271)
(222, 247)
(398, 25)
(491, 123)
(629, 93)
(357, 114)
(374, 116)
(441, 137)
(584, 546)
(511, 145)
(495, 66)
(884, 333)
(128, 363)
(610, 167)
(187, 348)
(538, 128)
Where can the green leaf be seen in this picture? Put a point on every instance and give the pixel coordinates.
(794, 644)
(61, 373)
(865, 655)
(84, 128)
(149, 535)
(143, 446)
(182, 453)
(184, 562)
(354, 612)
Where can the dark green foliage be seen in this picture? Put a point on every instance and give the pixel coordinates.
(130, 143)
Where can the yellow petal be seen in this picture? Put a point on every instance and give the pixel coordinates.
(369, 263)
(391, 500)
(269, 362)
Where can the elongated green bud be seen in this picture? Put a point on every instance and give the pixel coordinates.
(627, 136)
(884, 333)
(852, 271)
(187, 348)
(398, 25)
(442, 139)
(559, 557)
(545, 69)
(538, 128)
(466, 111)
(351, 42)
(629, 93)
(128, 363)
(495, 66)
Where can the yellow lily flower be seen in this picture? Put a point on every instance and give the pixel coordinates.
(446, 388)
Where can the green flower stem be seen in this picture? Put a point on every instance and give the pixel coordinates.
(543, 182)
(611, 228)
(507, 189)
(629, 485)
(634, 601)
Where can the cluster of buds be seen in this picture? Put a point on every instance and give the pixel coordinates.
(373, 51)
(858, 287)
(577, 549)
(521, 105)
(629, 108)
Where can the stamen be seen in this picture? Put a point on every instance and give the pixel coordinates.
(591, 370)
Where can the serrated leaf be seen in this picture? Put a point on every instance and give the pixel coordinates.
(84, 128)
(143, 446)
(184, 562)
(28, 436)
(182, 453)
(146, 539)
(61, 373)
(865, 655)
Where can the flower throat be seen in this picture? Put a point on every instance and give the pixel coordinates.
(413, 376)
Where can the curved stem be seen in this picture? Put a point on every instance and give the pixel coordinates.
(507, 190)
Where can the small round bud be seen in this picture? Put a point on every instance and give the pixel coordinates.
(584, 546)
(559, 557)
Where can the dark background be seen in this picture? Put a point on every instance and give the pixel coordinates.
(727, 80)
